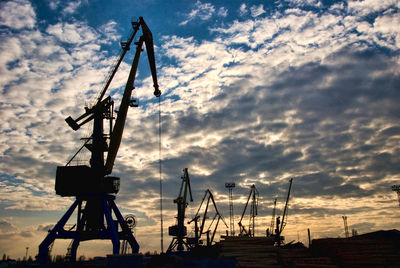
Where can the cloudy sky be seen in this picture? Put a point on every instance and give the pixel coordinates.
(254, 92)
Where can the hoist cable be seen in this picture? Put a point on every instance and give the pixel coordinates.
(160, 170)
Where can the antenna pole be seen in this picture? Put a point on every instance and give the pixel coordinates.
(346, 228)
(230, 186)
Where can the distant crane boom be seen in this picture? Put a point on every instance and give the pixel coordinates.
(253, 213)
(217, 217)
(285, 210)
(280, 224)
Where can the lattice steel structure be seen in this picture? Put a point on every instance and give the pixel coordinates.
(230, 186)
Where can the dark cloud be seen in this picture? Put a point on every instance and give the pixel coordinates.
(383, 164)
(390, 131)
(328, 114)
(328, 144)
(26, 234)
(321, 212)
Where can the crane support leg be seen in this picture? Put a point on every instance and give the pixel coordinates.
(44, 246)
(112, 227)
(107, 206)
(74, 249)
(129, 237)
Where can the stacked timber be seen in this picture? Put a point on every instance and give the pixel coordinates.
(301, 257)
(250, 251)
(358, 251)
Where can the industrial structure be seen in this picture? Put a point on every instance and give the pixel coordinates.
(230, 186)
(272, 224)
(346, 227)
(280, 223)
(178, 231)
(94, 189)
(92, 186)
(212, 225)
(252, 214)
(131, 223)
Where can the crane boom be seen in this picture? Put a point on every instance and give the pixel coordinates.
(116, 135)
(285, 211)
(217, 216)
(253, 212)
(125, 48)
(148, 39)
(117, 131)
(272, 225)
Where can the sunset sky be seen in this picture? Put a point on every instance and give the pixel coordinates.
(254, 92)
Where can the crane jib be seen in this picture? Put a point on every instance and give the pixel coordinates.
(116, 135)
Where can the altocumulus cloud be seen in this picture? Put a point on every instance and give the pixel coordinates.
(303, 92)
(300, 93)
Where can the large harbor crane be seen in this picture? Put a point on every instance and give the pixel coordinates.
(94, 190)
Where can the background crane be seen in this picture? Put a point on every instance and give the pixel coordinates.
(178, 231)
(253, 213)
(280, 224)
(215, 219)
(91, 185)
(270, 231)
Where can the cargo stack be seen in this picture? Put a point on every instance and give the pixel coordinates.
(378, 249)
(250, 251)
(301, 257)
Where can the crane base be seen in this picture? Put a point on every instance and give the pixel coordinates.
(90, 226)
